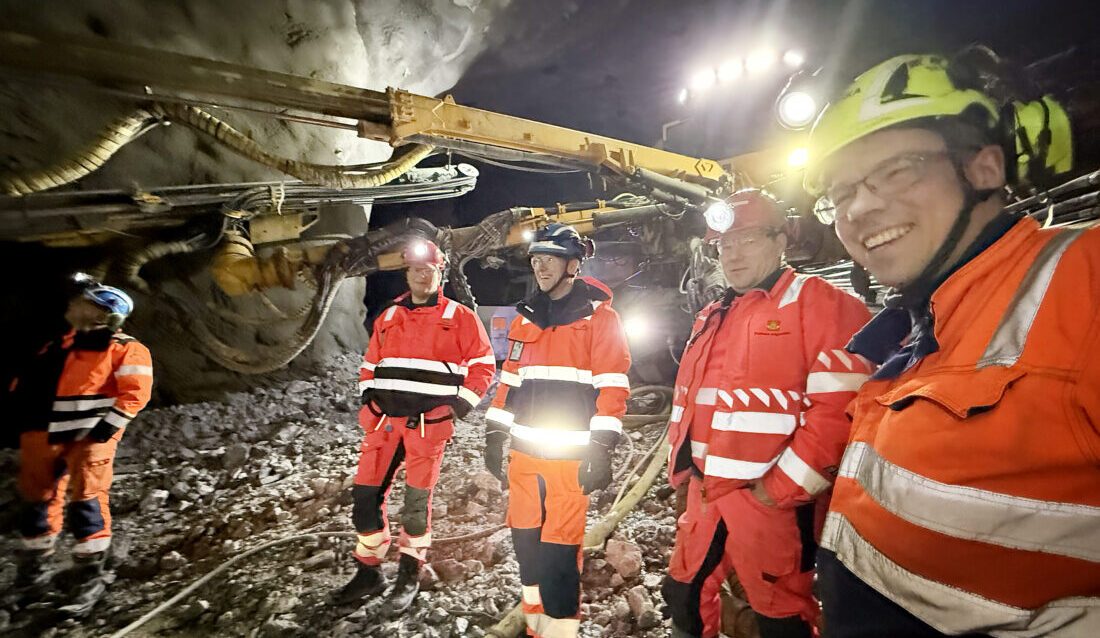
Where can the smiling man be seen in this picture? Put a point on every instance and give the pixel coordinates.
(757, 429)
(968, 498)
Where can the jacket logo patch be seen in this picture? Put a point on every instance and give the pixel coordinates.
(773, 324)
(516, 351)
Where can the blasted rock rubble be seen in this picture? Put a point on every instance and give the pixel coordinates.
(200, 483)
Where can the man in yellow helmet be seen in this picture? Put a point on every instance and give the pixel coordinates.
(969, 494)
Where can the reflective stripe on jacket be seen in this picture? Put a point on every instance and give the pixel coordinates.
(560, 384)
(423, 357)
(970, 493)
(112, 384)
(771, 407)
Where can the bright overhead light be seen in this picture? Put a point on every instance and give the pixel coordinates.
(719, 216)
(636, 327)
(759, 60)
(798, 157)
(682, 96)
(730, 70)
(794, 58)
(702, 80)
(796, 109)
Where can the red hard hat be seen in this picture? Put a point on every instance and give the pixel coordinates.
(422, 251)
(751, 208)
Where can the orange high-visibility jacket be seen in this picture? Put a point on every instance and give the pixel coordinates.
(562, 383)
(423, 357)
(970, 491)
(770, 406)
(112, 384)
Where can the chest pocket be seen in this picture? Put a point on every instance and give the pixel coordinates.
(962, 394)
(776, 356)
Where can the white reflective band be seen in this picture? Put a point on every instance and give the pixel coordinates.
(487, 359)
(373, 545)
(611, 380)
(800, 472)
(556, 373)
(611, 423)
(364, 384)
(725, 396)
(419, 553)
(677, 413)
(389, 313)
(134, 370)
(706, 396)
(422, 364)
(366, 366)
(742, 396)
(819, 382)
(764, 397)
(790, 295)
(419, 387)
(373, 539)
(424, 540)
(546, 627)
(699, 450)
(469, 396)
(449, 311)
(79, 405)
(116, 419)
(780, 397)
(843, 357)
(949, 609)
(510, 378)
(531, 595)
(735, 469)
(79, 424)
(544, 436)
(755, 422)
(546, 246)
(503, 417)
(969, 513)
(824, 359)
(92, 545)
(39, 542)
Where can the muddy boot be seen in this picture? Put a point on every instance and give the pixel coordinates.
(407, 585)
(88, 574)
(33, 574)
(368, 581)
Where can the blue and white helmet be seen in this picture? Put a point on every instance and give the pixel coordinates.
(111, 299)
(562, 240)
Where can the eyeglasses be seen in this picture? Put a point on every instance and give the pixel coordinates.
(747, 239)
(890, 178)
(543, 260)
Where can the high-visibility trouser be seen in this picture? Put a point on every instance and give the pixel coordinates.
(771, 550)
(80, 469)
(546, 511)
(382, 452)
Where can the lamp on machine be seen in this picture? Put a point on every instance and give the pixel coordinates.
(798, 103)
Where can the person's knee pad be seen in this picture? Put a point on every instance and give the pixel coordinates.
(786, 627)
(414, 516)
(34, 519)
(366, 509)
(85, 518)
(560, 580)
(683, 606)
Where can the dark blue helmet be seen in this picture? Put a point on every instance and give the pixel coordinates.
(562, 240)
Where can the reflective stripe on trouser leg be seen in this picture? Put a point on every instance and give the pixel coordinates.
(372, 547)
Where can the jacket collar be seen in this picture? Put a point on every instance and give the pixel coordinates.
(581, 301)
(772, 285)
(433, 300)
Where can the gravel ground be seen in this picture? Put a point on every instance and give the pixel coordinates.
(199, 484)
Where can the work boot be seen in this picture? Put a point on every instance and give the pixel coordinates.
(90, 585)
(407, 585)
(368, 580)
(33, 575)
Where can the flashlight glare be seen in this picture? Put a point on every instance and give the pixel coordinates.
(796, 109)
(636, 327)
(702, 80)
(798, 157)
(719, 216)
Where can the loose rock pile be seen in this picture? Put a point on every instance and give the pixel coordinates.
(201, 483)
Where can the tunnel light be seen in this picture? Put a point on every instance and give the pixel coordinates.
(796, 109)
(794, 58)
(730, 70)
(798, 157)
(702, 80)
(682, 96)
(759, 60)
(637, 328)
(719, 216)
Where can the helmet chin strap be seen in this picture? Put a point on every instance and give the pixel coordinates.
(929, 279)
(564, 276)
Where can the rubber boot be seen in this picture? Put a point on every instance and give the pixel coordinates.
(88, 574)
(33, 575)
(368, 581)
(407, 586)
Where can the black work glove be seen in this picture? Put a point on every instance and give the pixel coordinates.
(102, 432)
(461, 407)
(494, 456)
(595, 470)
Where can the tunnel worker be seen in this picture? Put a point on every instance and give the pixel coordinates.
(968, 500)
(562, 396)
(758, 428)
(429, 361)
(74, 402)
